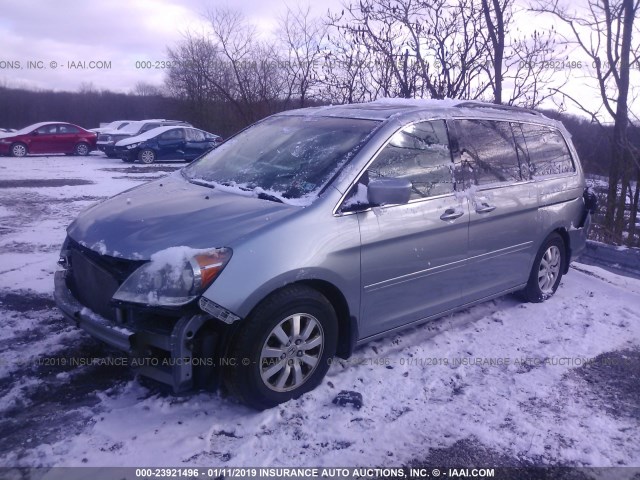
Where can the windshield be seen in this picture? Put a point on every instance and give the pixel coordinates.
(132, 127)
(288, 157)
(31, 128)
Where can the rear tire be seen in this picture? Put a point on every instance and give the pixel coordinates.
(147, 156)
(547, 270)
(284, 348)
(19, 150)
(81, 149)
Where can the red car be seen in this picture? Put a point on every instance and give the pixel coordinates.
(48, 137)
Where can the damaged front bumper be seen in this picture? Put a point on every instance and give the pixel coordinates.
(180, 353)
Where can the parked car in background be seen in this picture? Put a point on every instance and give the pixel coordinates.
(48, 137)
(315, 231)
(7, 130)
(167, 143)
(111, 127)
(107, 140)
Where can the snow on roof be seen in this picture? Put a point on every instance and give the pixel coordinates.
(154, 132)
(417, 102)
(33, 127)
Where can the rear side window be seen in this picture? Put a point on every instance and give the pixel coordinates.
(487, 152)
(67, 129)
(548, 152)
(419, 153)
(175, 134)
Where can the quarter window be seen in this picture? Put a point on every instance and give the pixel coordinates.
(194, 135)
(419, 153)
(487, 152)
(548, 152)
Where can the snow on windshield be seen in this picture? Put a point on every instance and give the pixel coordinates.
(283, 157)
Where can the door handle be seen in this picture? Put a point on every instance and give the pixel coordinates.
(451, 214)
(485, 208)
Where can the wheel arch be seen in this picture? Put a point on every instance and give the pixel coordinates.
(566, 239)
(347, 322)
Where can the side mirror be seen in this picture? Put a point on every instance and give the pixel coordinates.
(388, 191)
(35, 132)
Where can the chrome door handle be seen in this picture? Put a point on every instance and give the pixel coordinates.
(451, 214)
(485, 208)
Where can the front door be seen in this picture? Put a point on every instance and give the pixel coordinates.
(171, 144)
(412, 255)
(43, 140)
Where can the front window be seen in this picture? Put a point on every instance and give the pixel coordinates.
(287, 157)
(47, 130)
(418, 153)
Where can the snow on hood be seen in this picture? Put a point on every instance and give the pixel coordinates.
(154, 132)
(171, 211)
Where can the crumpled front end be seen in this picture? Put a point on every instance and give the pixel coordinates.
(180, 346)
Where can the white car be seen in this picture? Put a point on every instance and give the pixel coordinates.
(111, 127)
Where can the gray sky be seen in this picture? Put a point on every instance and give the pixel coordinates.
(118, 31)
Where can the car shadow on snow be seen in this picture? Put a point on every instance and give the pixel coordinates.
(53, 392)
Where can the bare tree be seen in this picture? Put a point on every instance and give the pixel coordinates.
(430, 48)
(301, 36)
(602, 30)
(195, 75)
(520, 62)
(144, 89)
(251, 64)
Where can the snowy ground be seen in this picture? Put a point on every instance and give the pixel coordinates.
(502, 383)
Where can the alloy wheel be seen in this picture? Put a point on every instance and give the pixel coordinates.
(291, 352)
(549, 269)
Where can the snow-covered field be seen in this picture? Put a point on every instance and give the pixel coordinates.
(503, 383)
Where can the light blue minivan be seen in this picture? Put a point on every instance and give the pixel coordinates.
(317, 230)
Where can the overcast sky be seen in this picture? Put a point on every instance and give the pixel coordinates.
(118, 31)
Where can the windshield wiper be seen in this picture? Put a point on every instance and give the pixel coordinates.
(266, 196)
(201, 183)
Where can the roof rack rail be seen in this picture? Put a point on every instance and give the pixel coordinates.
(508, 108)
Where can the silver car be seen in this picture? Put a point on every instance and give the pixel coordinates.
(317, 230)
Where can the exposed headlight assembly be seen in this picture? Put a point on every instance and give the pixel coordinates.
(174, 276)
(133, 145)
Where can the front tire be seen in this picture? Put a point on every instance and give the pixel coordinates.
(18, 150)
(284, 349)
(547, 270)
(147, 156)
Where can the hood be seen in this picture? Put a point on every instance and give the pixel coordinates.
(7, 134)
(172, 212)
